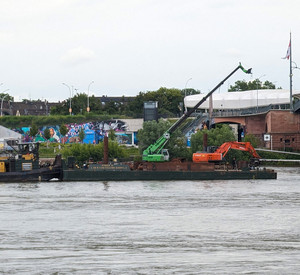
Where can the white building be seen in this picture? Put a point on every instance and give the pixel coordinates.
(243, 100)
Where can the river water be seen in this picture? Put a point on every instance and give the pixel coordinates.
(205, 227)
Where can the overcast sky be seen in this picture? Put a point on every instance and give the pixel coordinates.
(128, 46)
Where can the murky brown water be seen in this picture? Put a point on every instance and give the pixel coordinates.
(210, 227)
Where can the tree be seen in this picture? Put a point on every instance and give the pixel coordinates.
(61, 109)
(81, 134)
(215, 137)
(7, 97)
(252, 139)
(63, 131)
(33, 130)
(112, 135)
(47, 133)
(168, 102)
(78, 104)
(152, 131)
(84, 152)
(189, 91)
(111, 107)
(256, 84)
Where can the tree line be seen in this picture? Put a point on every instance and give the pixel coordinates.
(169, 104)
(170, 101)
(255, 84)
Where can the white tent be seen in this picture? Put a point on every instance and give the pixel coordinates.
(241, 100)
(6, 133)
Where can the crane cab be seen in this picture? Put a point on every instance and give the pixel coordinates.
(165, 154)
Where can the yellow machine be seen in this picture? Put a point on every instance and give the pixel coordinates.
(2, 167)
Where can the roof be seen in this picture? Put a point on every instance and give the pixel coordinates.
(133, 125)
(244, 99)
(7, 133)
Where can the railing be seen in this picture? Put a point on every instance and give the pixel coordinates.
(250, 111)
(194, 123)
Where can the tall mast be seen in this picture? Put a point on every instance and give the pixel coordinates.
(291, 76)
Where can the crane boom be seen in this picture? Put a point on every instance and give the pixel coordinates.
(155, 152)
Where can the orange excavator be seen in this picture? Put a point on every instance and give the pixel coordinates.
(221, 152)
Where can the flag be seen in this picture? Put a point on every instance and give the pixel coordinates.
(288, 52)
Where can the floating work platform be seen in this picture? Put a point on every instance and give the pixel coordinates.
(161, 172)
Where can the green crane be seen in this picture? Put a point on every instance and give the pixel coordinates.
(156, 152)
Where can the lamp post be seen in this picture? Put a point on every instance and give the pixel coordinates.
(3, 100)
(257, 91)
(185, 91)
(70, 107)
(46, 107)
(88, 99)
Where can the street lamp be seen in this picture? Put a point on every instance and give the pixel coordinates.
(70, 107)
(185, 90)
(3, 99)
(88, 100)
(257, 91)
(46, 107)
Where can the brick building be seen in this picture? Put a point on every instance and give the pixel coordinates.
(282, 128)
(27, 107)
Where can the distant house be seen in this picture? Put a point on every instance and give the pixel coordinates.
(27, 107)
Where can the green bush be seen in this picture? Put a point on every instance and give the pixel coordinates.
(26, 121)
(84, 152)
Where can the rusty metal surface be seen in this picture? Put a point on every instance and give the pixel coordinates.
(105, 150)
(175, 166)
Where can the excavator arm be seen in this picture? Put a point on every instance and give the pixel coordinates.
(242, 146)
(221, 152)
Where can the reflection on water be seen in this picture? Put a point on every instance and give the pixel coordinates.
(208, 227)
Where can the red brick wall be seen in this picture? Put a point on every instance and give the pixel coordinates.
(283, 126)
(283, 122)
(255, 125)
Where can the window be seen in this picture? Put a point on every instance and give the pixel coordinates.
(287, 142)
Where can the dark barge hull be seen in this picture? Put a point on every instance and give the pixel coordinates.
(36, 175)
(87, 175)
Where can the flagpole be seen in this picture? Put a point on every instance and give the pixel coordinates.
(291, 76)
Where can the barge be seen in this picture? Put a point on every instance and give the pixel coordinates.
(162, 171)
